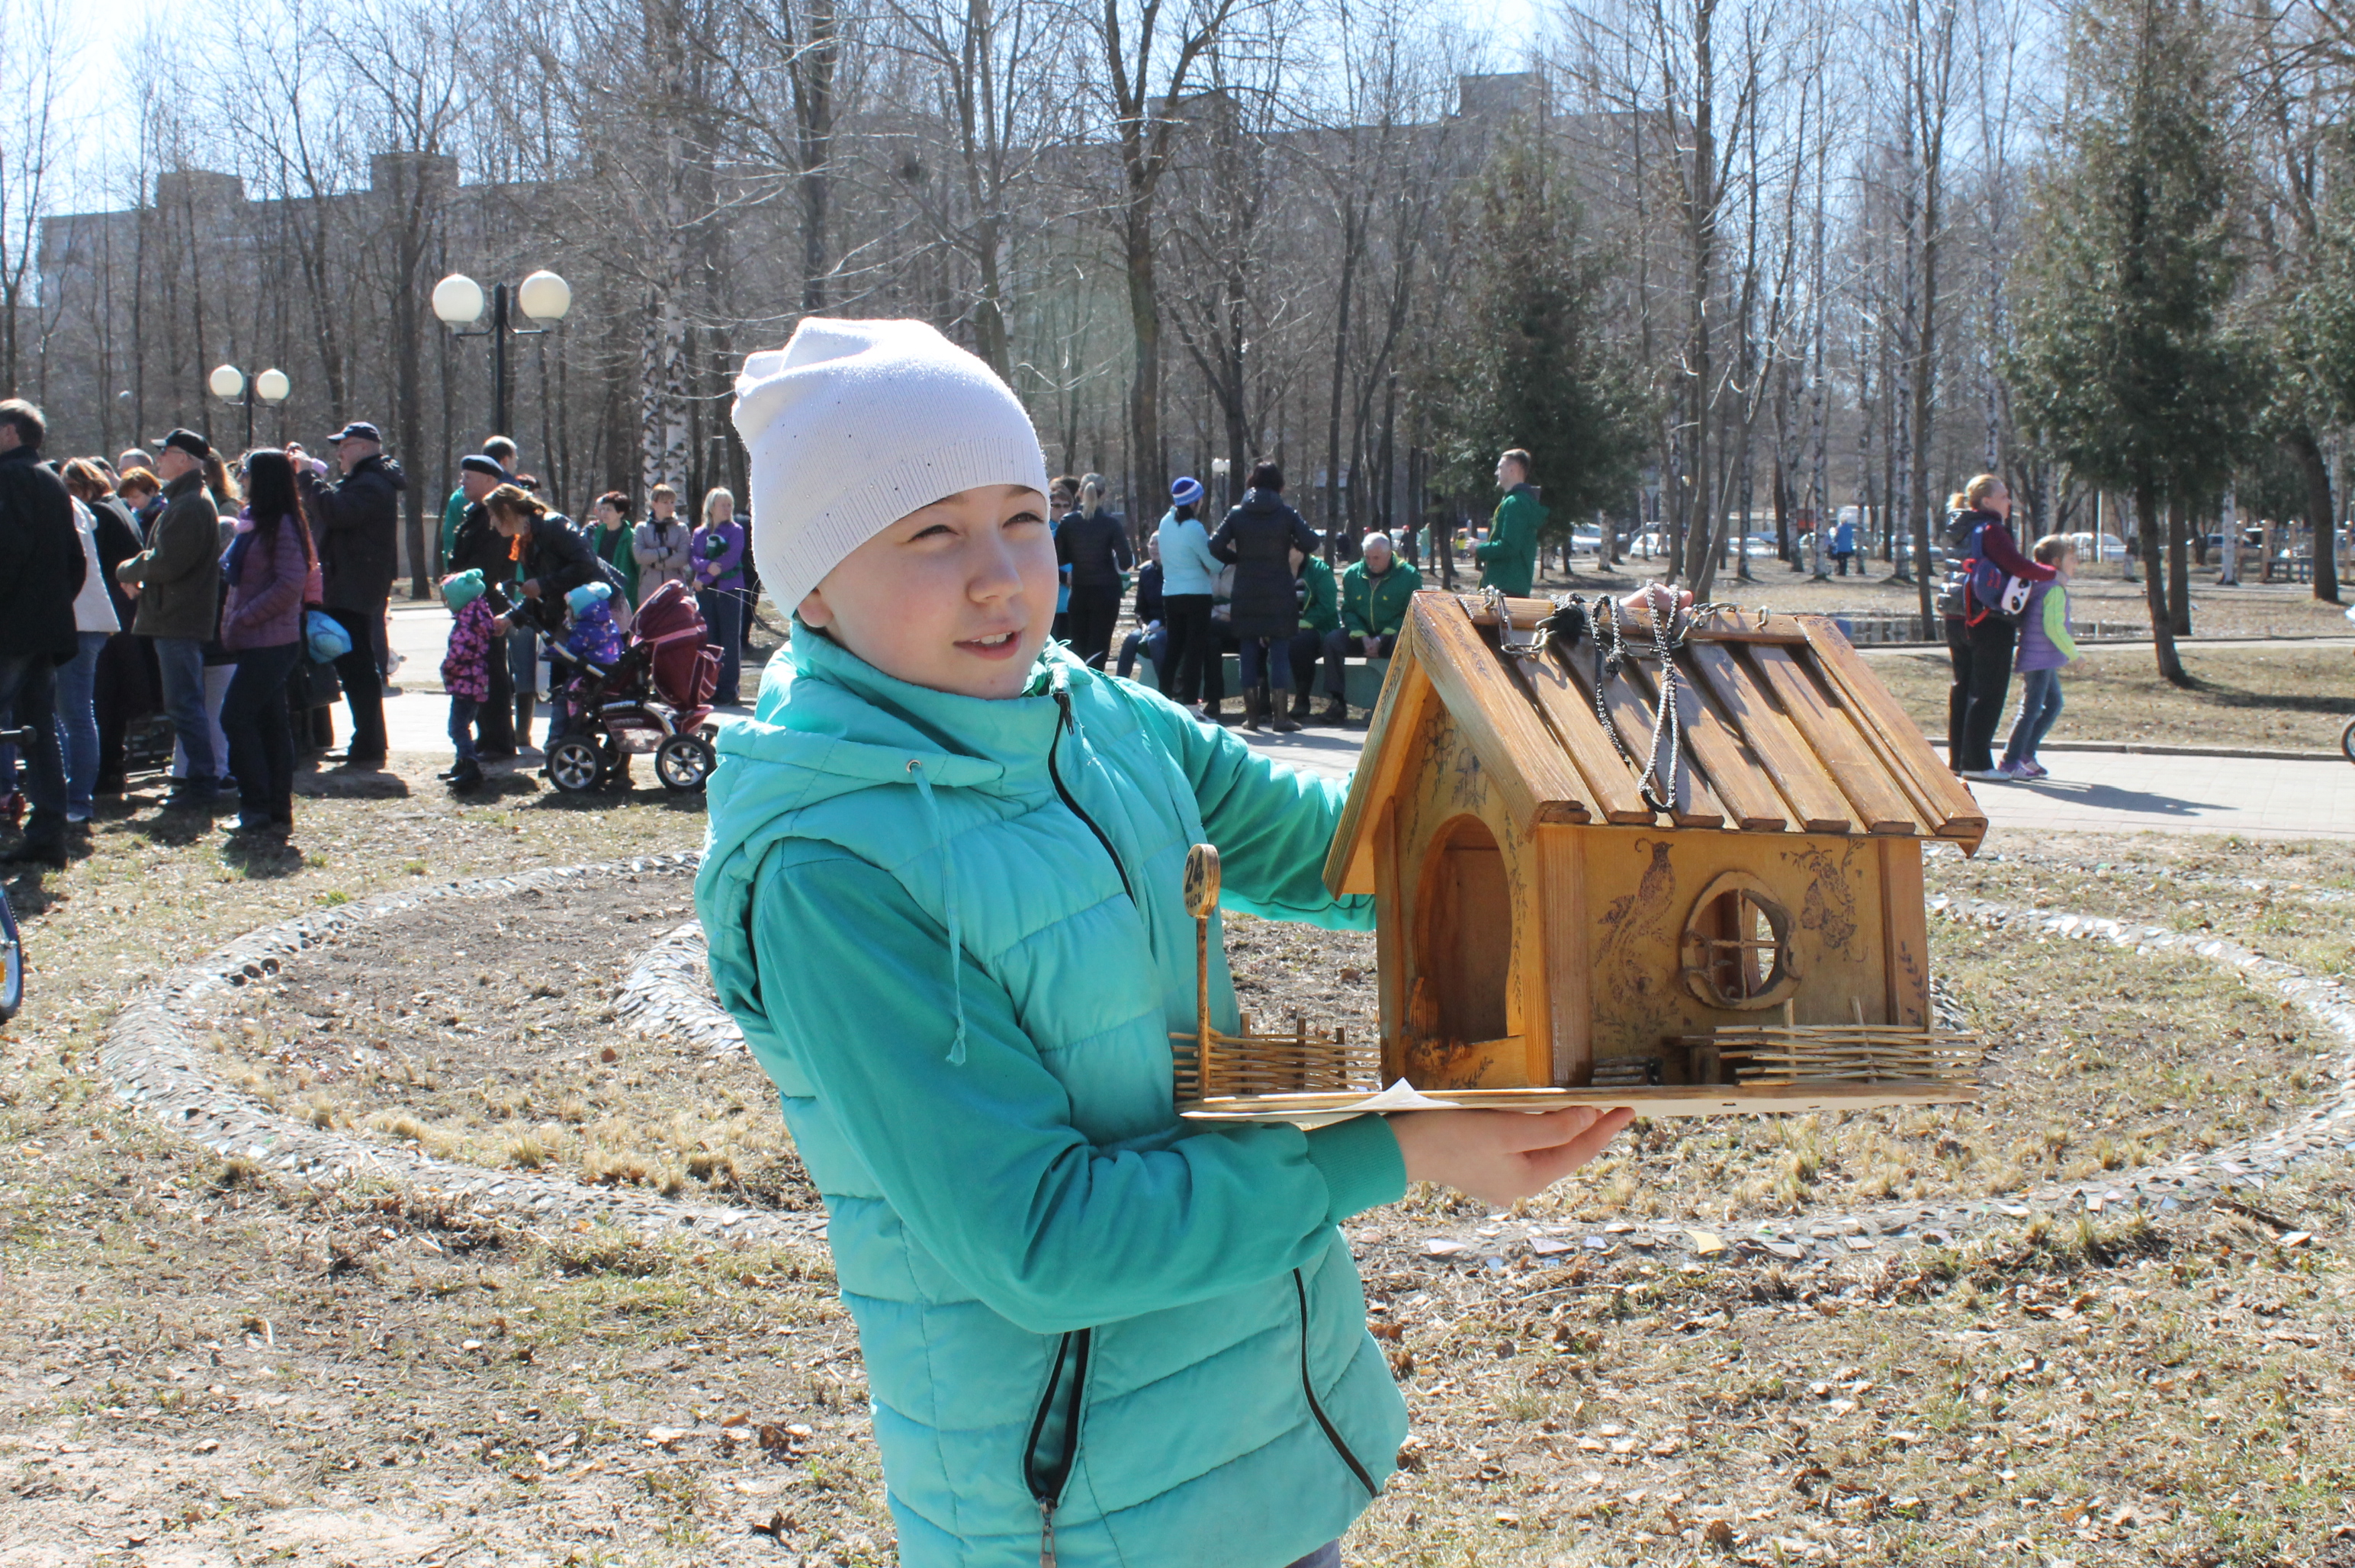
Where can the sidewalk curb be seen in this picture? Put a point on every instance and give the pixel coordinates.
(2142, 749)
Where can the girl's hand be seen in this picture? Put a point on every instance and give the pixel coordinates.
(1502, 1157)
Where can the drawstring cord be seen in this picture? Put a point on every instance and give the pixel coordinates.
(949, 904)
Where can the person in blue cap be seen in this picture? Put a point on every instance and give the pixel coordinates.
(1189, 577)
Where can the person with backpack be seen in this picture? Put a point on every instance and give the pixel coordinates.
(1982, 628)
(2045, 649)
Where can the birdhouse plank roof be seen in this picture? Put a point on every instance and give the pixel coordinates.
(1785, 730)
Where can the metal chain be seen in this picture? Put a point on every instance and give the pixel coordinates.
(1667, 724)
(1654, 783)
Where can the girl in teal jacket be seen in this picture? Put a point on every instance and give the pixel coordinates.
(943, 893)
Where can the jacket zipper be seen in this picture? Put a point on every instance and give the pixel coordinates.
(1332, 1433)
(1063, 721)
(1047, 1481)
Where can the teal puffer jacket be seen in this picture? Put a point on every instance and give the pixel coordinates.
(953, 930)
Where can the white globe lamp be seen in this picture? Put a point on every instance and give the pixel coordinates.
(545, 296)
(228, 383)
(458, 299)
(272, 387)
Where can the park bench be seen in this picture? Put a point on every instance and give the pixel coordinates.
(1361, 678)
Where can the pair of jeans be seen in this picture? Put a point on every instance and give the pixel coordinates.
(78, 721)
(723, 618)
(362, 673)
(180, 661)
(1094, 612)
(217, 678)
(1153, 639)
(2040, 705)
(462, 726)
(1189, 640)
(1259, 661)
(1981, 655)
(254, 718)
(28, 699)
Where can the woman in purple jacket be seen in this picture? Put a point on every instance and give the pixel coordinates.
(718, 557)
(268, 571)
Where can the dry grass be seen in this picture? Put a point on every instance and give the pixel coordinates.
(2252, 609)
(220, 1368)
(2270, 698)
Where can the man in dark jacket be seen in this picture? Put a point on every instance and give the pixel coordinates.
(45, 570)
(1258, 539)
(476, 545)
(354, 524)
(178, 581)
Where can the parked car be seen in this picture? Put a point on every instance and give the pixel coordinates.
(1587, 539)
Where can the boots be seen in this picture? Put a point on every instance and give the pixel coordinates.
(1300, 705)
(525, 705)
(1252, 709)
(1337, 711)
(1282, 721)
(467, 776)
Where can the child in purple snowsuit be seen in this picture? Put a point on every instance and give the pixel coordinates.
(2045, 647)
(466, 668)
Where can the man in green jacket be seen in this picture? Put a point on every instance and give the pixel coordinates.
(1508, 561)
(1320, 616)
(1374, 595)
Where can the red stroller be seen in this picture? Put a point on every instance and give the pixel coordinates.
(654, 698)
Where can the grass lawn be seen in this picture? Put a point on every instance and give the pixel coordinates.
(2252, 610)
(2264, 698)
(203, 1364)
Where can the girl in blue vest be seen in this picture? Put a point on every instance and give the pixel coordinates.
(942, 893)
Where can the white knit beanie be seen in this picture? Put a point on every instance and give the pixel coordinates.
(852, 425)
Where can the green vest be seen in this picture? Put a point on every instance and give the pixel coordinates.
(954, 932)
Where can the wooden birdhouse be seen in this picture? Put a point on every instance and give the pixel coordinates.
(1580, 898)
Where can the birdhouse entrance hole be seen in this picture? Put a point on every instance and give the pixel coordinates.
(1737, 946)
(1464, 934)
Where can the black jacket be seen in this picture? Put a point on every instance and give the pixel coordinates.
(1258, 539)
(559, 558)
(356, 525)
(118, 541)
(479, 547)
(1095, 549)
(41, 564)
(1149, 594)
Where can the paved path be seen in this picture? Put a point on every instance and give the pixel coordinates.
(2088, 791)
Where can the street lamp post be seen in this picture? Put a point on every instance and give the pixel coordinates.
(230, 386)
(458, 299)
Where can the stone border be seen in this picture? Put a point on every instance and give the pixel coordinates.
(155, 1063)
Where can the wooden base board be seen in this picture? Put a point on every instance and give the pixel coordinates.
(1669, 1100)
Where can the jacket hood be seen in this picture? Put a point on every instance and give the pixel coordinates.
(386, 467)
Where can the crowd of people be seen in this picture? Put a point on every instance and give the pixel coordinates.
(243, 601)
(1258, 587)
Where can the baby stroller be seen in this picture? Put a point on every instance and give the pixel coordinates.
(655, 698)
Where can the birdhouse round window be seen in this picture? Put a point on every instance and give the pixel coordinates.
(1737, 945)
